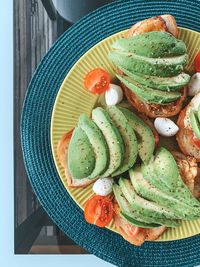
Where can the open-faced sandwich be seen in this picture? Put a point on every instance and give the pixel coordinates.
(150, 61)
(140, 185)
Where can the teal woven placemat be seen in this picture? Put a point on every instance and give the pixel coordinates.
(35, 135)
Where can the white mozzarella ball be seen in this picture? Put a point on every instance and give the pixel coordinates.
(103, 186)
(165, 127)
(194, 85)
(113, 95)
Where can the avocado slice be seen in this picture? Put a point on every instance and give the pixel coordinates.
(163, 67)
(81, 157)
(181, 192)
(152, 44)
(149, 94)
(161, 83)
(98, 143)
(162, 172)
(128, 135)
(157, 177)
(147, 208)
(134, 222)
(148, 191)
(194, 120)
(149, 174)
(127, 210)
(167, 170)
(165, 167)
(144, 134)
(113, 139)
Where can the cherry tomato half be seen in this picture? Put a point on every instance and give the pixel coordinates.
(97, 81)
(197, 62)
(99, 210)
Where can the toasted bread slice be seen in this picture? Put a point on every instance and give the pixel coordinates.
(154, 110)
(165, 23)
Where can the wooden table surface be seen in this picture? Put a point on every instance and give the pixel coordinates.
(34, 34)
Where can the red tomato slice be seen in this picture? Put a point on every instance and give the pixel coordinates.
(97, 81)
(99, 210)
(197, 62)
(196, 140)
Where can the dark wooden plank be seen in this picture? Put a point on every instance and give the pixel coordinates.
(32, 39)
(20, 82)
(34, 34)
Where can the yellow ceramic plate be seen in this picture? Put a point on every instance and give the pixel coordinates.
(73, 99)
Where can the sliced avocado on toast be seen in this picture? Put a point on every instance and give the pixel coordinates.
(162, 172)
(180, 192)
(130, 214)
(167, 170)
(147, 208)
(128, 136)
(151, 44)
(173, 83)
(149, 94)
(81, 157)
(98, 143)
(148, 191)
(162, 67)
(152, 62)
(113, 139)
(144, 134)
